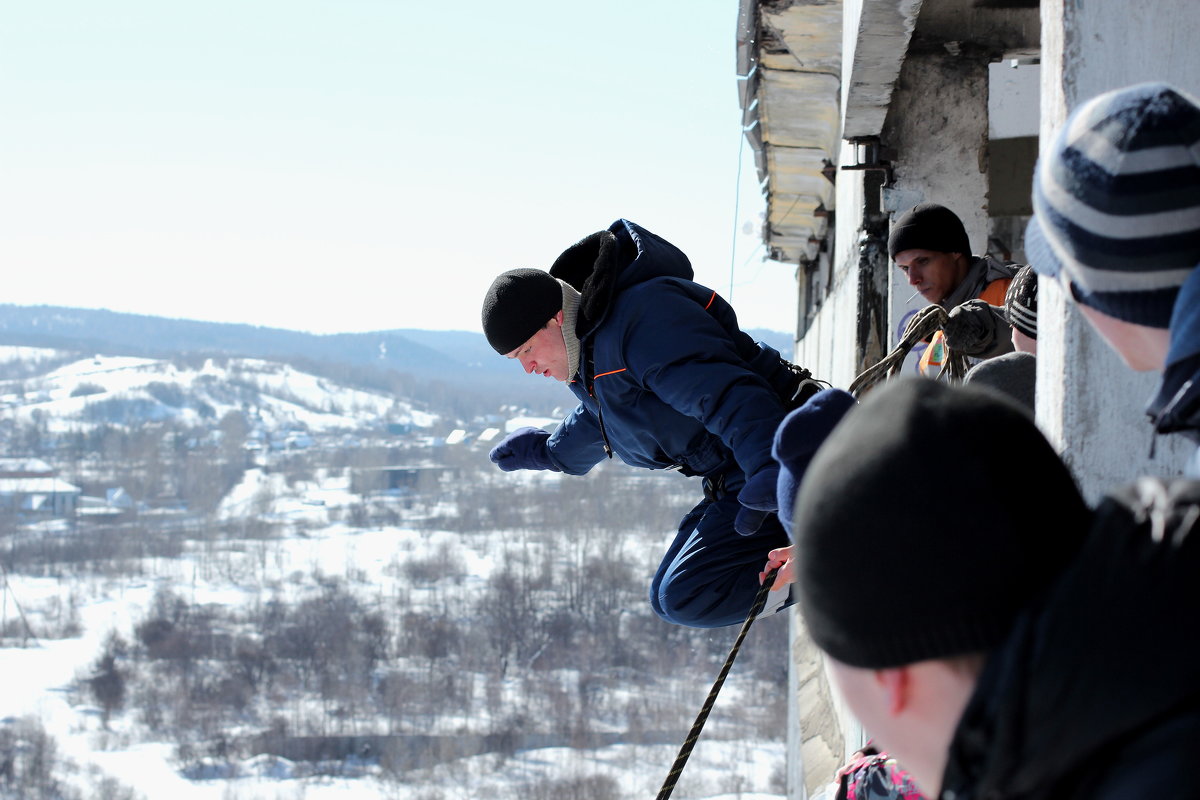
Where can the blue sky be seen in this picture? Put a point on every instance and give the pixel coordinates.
(351, 165)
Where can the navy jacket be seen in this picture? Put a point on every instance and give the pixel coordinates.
(1176, 406)
(1096, 693)
(666, 376)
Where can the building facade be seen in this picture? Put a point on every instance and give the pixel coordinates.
(858, 110)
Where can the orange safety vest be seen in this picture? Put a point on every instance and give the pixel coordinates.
(931, 360)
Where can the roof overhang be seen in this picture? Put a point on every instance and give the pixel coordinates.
(806, 84)
(789, 61)
(875, 51)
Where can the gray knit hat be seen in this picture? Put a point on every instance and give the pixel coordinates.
(1116, 200)
(517, 305)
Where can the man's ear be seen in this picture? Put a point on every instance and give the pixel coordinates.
(559, 318)
(896, 684)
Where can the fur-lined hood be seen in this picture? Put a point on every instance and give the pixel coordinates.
(605, 263)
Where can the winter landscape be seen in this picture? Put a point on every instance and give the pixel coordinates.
(233, 577)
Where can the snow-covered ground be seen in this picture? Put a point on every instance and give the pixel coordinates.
(42, 680)
(308, 542)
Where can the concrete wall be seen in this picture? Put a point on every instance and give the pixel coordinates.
(938, 128)
(817, 732)
(824, 727)
(1089, 404)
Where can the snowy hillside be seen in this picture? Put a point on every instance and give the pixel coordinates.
(279, 586)
(125, 390)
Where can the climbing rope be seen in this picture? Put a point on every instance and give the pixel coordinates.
(922, 326)
(694, 734)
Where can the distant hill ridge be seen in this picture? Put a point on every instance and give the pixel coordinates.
(421, 353)
(408, 350)
(457, 358)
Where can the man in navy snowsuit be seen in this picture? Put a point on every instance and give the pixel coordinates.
(665, 379)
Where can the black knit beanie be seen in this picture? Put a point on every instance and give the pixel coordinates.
(517, 305)
(913, 542)
(929, 227)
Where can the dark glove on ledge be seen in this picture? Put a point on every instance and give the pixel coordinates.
(524, 448)
(758, 499)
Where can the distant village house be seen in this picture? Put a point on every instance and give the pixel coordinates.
(31, 486)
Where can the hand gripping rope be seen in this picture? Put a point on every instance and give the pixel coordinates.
(923, 325)
(686, 750)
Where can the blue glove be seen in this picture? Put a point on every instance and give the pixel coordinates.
(758, 501)
(524, 448)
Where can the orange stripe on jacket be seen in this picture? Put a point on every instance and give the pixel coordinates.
(995, 291)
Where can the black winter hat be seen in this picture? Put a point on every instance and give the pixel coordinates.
(929, 227)
(912, 541)
(517, 305)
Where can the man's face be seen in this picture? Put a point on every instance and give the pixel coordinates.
(911, 712)
(1141, 347)
(545, 353)
(868, 699)
(934, 274)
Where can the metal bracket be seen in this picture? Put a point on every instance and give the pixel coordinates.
(868, 157)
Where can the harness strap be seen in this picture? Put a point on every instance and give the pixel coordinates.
(714, 487)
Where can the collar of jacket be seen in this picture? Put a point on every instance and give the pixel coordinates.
(982, 271)
(1175, 408)
(570, 317)
(592, 266)
(1176, 404)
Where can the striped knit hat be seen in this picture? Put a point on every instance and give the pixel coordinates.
(1117, 202)
(1020, 302)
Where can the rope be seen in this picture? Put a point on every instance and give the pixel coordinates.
(694, 734)
(923, 325)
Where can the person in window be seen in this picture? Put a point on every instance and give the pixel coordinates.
(930, 245)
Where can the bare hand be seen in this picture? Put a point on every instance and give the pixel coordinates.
(780, 559)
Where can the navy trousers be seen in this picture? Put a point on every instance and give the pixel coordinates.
(709, 576)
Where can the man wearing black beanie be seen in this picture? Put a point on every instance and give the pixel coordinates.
(665, 379)
(1034, 650)
(930, 245)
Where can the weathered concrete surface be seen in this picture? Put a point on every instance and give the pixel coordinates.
(817, 736)
(875, 40)
(1089, 404)
(938, 129)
